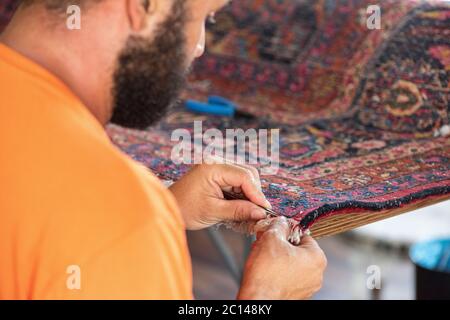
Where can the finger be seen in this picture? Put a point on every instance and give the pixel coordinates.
(311, 245)
(256, 179)
(240, 211)
(280, 228)
(236, 190)
(221, 160)
(308, 242)
(259, 234)
(229, 175)
(254, 172)
(262, 226)
(213, 159)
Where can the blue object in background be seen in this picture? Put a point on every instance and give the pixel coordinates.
(432, 260)
(432, 255)
(217, 106)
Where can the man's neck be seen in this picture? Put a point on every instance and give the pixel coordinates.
(63, 53)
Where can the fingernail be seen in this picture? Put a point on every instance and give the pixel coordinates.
(267, 204)
(258, 214)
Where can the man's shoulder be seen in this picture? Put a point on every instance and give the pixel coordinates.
(55, 152)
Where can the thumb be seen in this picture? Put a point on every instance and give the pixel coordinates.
(308, 242)
(280, 227)
(240, 211)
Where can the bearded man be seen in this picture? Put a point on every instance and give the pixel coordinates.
(78, 218)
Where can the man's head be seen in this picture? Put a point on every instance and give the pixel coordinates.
(144, 50)
(150, 72)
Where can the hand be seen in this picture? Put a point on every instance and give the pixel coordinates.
(276, 269)
(200, 198)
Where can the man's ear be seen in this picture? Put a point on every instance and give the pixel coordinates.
(137, 11)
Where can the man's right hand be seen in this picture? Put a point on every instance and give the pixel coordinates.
(278, 270)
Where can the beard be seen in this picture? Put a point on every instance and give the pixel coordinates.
(151, 73)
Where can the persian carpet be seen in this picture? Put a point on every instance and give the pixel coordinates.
(363, 113)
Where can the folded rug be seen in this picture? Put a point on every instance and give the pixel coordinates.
(363, 113)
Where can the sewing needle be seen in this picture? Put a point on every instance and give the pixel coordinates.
(232, 196)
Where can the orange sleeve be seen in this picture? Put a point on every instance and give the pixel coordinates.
(138, 266)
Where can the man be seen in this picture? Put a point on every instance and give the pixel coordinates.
(81, 220)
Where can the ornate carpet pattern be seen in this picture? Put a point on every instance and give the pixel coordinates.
(363, 113)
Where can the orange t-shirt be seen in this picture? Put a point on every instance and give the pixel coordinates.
(78, 218)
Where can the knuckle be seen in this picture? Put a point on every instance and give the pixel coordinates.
(247, 174)
(238, 170)
(239, 213)
(218, 166)
(204, 167)
(221, 168)
(272, 234)
(214, 159)
(254, 171)
(281, 223)
(244, 171)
